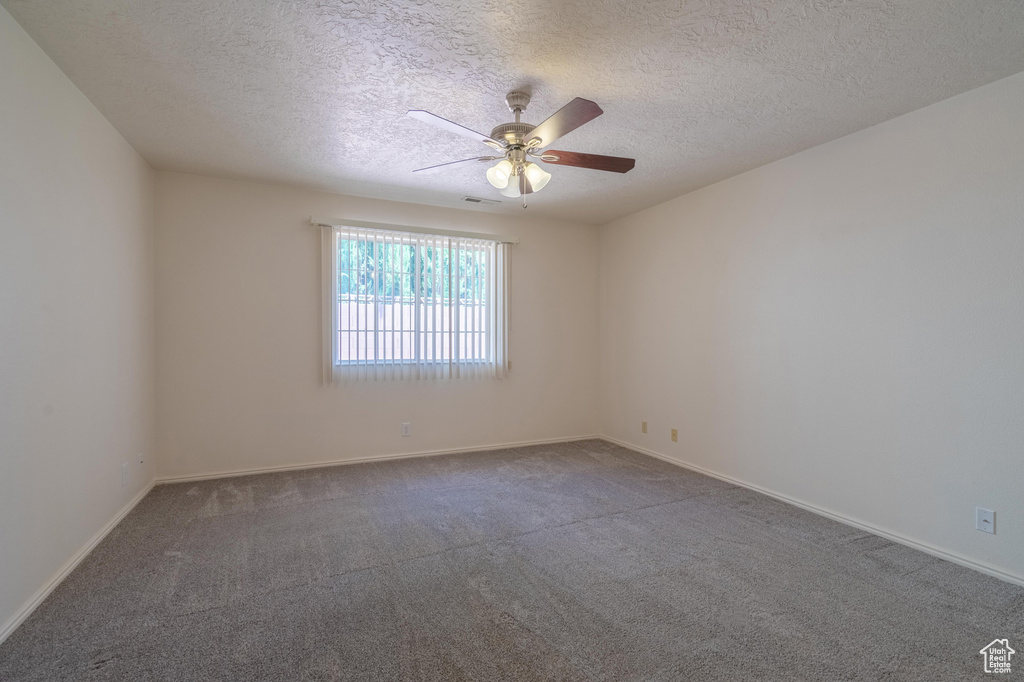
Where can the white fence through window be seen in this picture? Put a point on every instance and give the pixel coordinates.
(409, 305)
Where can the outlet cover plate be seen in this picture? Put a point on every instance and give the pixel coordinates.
(985, 520)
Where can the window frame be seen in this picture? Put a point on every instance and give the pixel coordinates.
(494, 339)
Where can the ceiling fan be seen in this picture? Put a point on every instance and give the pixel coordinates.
(519, 143)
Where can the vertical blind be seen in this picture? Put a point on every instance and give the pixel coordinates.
(405, 305)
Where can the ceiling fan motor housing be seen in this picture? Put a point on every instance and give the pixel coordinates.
(512, 133)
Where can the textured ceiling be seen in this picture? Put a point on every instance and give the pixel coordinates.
(315, 92)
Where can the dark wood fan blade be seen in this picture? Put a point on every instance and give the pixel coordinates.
(615, 164)
(439, 166)
(445, 124)
(565, 120)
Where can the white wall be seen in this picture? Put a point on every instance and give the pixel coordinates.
(238, 301)
(844, 326)
(76, 321)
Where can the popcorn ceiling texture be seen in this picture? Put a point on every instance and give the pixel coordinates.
(315, 93)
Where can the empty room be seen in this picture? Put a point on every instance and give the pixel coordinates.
(590, 341)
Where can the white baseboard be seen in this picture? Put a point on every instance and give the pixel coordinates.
(954, 557)
(43, 592)
(162, 480)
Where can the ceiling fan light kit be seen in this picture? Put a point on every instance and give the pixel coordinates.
(512, 191)
(516, 174)
(499, 174)
(537, 176)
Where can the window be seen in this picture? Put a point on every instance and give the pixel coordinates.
(409, 305)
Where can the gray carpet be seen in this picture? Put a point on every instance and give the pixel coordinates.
(581, 561)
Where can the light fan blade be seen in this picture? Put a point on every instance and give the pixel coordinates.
(615, 164)
(445, 124)
(565, 120)
(430, 169)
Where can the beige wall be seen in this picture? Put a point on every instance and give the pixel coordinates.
(238, 301)
(76, 321)
(844, 326)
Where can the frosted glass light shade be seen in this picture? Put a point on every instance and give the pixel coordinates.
(499, 173)
(537, 176)
(512, 190)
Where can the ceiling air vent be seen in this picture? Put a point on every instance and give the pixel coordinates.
(482, 202)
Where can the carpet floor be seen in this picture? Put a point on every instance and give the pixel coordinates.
(576, 561)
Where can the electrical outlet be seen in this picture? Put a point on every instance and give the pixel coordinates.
(643, 427)
(675, 435)
(985, 520)
(406, 429)
(124, 474)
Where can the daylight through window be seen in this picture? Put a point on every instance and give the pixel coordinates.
(410, 305)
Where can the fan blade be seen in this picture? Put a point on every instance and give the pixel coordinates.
(452, 163)
(615, 164)
(565, 120)
(525, 187)
(445, 124)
